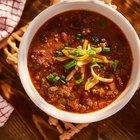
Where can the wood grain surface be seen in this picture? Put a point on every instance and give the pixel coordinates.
(28, 122)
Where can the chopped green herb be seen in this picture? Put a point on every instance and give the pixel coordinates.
(56, 78)
(53, 78)
(97, 50)
(50, 77)
(101, 67)
(79, 36)
(79, 79)
(93, 48)
(58, 53)
(114, 64)
(95, 40)
(63, 79)
(91, 52)
(92, 62)
(106, 49)
(76, 52)
(70, 64)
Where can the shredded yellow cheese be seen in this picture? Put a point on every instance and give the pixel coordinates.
(83, 58)
(106, 80)
(85, 45)
(79, 58)
(91, 82)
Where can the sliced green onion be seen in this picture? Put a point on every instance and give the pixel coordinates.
(56, 78)
(101, 67)
(63, 79)
(97, 50)
(79, 79)
(76, 52)
(114, 64)
(92, 62)
(91, 52)
(95, 40)
(70, 64)
(106, 49)
(53, 78)
(58, 53)
(79, 36)
(79, 58)
(50, 77)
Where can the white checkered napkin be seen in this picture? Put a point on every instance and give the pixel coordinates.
(10, 13)
(5, 111)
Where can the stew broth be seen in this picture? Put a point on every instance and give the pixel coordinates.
(80, 61)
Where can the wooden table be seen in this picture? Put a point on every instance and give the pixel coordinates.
(28, 122)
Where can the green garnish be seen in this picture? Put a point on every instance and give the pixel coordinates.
(101, 67)
(53, 78)
(95, 40)
(92, 62)
(79, 79)
(59, 53)
(70, 64)
(106, 49)
(63, 79)
(114, 64)
(76, 52)
(79, 36)
(91, 52)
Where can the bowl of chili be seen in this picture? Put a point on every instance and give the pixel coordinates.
(78, 61)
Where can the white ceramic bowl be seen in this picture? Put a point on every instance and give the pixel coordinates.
(103, 10)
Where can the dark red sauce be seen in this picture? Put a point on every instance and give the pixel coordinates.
(62, 31)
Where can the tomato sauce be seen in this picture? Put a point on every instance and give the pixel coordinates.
(70, 30)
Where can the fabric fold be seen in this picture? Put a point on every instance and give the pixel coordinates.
(10, 14)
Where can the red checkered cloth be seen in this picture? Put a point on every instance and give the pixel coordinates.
(10, 13)
(5, 110)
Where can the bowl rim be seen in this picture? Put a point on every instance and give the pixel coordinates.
(24, 75)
